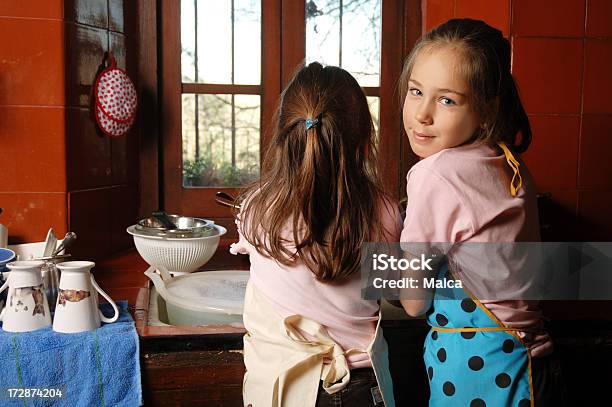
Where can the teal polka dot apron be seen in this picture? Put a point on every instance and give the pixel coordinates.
(472, 359)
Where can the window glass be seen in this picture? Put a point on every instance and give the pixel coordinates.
(221, 44)
(220, 140)
(346, 34)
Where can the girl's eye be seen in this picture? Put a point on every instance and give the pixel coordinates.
(447, 101)
(415, 92)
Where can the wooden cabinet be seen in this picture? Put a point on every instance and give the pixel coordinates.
(204, 370)
(193, 378)
(208, 370)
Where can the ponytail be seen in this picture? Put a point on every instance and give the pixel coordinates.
(319, 191)
(521, 119)
(513, 117)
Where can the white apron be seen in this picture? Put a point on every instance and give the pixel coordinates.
(283, 368)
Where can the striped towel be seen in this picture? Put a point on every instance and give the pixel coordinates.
(97, 368)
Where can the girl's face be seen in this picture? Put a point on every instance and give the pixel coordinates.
(437, 114)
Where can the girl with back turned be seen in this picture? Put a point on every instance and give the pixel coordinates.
(312, 339)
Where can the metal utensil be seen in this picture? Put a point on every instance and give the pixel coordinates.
(53, 258)
(50, 243)
(3, 234)
(50, 273)
(68, 240)
(185, 226)
(164, 219)
(226, 199)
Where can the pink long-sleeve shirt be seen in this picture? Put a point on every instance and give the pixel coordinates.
(462, 194)
(349, 319)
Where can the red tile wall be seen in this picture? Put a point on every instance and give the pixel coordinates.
(57, 170)
(562, 51)
(32, 119)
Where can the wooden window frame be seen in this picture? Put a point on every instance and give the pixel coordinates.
(283, 50)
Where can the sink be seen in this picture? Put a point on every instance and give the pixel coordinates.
(214, 297)
(213, 311)
(158, 314)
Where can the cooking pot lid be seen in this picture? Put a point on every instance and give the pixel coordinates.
(222, 290)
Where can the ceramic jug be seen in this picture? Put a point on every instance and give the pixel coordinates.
(26, 304)
(77, 309)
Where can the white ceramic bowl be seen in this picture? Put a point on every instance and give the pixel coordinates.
(177, 254)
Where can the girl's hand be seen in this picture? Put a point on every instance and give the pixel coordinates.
(539, 344)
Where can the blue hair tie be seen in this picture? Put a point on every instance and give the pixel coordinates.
(310, 123)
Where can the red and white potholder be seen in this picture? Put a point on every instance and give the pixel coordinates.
(115, 101)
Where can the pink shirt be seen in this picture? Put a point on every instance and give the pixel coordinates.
(462, 194)
(349, 319)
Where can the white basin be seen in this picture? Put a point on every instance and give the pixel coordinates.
(198, 299)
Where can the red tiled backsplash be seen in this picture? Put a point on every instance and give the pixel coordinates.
(32, 62)
(595, 169)
(552, 157)
(548, 18)
(33, 149)
(435, 12)
(548, 72)
(494, 12)
(29, 215)
(597, 78)
(52, 9)
(599, 18)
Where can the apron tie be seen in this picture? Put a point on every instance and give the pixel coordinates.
(288, 358)
(335, 372)
(514, 164)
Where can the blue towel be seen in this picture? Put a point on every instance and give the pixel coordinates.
(97, 368)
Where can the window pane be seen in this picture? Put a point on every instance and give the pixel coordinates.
(346, 33)
(247, 42)
(323, 31)
(188, 41)
(361, 31)
(214, 28)
(206, 44)
(220, 140)
(205, 40)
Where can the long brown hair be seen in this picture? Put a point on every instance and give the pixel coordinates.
(486, 68)
(319, 196)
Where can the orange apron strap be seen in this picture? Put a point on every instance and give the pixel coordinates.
(490, 328)
(517, 180)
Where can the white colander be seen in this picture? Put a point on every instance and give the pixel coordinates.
(176, 254)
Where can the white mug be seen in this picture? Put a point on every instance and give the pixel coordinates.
(26, 304)
(77, 309)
